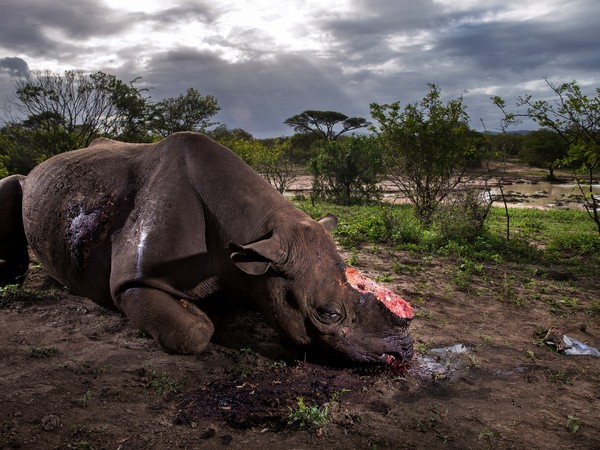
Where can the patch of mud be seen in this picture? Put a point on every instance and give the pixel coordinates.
(265, 399)
(76, 376)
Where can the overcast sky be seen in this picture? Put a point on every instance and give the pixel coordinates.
(266, 60)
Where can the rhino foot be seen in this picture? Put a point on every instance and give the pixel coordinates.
(178, 326)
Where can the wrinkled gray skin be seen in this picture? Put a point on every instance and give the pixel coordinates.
(158, 230)
(14, 257)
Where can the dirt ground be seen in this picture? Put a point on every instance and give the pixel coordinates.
(75, 376)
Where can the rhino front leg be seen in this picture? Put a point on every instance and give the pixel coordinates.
(178, 326)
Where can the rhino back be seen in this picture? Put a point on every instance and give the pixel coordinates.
(160, 214)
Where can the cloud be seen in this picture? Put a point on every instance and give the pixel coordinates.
(14, 66)
(265, 63)
(257, 95)
(40, 28)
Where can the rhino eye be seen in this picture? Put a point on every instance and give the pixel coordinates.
(328, 315)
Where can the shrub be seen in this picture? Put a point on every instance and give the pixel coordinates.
(347, 170)
(463, 216)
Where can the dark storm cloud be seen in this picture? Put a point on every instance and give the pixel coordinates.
(14, 66)
(27, 25)
(376, 51)
(257, 94)
(523, 46)
(463, 51)
(193, 11)
(475, 52)
(366, 35)
(43, 28)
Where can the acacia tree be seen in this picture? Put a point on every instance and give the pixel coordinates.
(576, 118)
(187, 112)
(429, 148)
(323, 123)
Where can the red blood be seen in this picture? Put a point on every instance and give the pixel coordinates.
(392, 301)
(395, 365)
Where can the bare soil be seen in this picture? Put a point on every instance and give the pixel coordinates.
(76, 376)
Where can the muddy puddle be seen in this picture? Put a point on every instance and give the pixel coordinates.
(441, 363)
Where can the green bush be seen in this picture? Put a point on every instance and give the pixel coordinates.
(347, 170)
(536, 236)
(574, 244)
(463, 216)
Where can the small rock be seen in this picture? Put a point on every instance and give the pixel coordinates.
(50, 422)
(208, 433)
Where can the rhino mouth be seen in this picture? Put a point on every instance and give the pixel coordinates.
(400, 356)
(394, 359)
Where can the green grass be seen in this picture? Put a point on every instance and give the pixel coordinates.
(85, 399)
(309, 416)
(43, 352)
(540, 236)
(162, 383)
(13, 292)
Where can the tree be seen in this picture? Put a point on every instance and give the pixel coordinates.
(322, 123)
(72, 109)
(187, 112)
(544, 148)
(429, 148)
(348, 169)
(576, 118)
(15, 151)
(505, 144)
(223, 134)
(271, 160)
(3, 170)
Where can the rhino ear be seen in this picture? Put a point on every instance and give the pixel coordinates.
(256, 258)
(329, 222)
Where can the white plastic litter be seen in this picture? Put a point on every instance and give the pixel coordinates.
(573, 347)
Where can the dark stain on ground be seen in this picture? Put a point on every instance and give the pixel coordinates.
(265, 399)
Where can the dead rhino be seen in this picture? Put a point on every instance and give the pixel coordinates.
(159, 230)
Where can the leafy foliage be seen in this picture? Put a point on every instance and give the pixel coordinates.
(429, 147)
(75, 108)
(348, 169)
(271, 160)
(68, 111)
(3, 170)
(576, 118)
(309, 416)
(187, 112)
(61, 112)
(555, 236)
(463, 215)
(322, 123)
(544, 148)
(274, 162)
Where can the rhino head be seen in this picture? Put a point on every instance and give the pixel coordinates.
(319, 303)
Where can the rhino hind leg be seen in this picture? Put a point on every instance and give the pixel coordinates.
(178, 326)
(14, 258)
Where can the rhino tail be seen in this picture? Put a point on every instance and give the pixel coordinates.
(14, 257)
